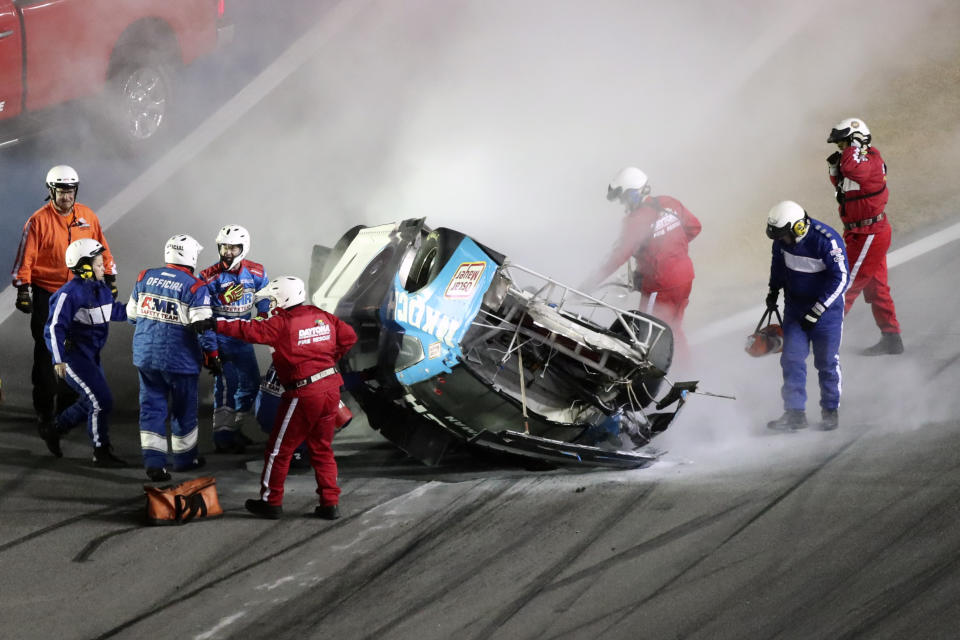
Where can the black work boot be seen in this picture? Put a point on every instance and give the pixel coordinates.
(158, 474)
(791, 420)
(51, 436)
(327, 511)
(830, 419)
(197, 463)
(103, 457)
(262, 509)
(890, 344)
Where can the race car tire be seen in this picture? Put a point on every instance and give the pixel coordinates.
(431, 257)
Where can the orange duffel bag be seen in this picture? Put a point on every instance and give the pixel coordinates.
(179, 504)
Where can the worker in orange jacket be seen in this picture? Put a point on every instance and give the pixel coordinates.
(40, 269)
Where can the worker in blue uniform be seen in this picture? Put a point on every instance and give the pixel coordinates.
(810, 264)
(232, 283)
(75, 333)
(169, 355)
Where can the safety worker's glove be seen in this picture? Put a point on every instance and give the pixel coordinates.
(207, 324)
(809, 320)
(23, 302)
(833, 160)
(111, 281)
(232, 294)
(213, 363)
(772, 297)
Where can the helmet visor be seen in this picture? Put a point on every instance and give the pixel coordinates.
(838, 135)
(614, 194)
(779, 233)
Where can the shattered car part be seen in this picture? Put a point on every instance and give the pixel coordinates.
(458, 346)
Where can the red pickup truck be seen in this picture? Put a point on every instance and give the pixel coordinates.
(116, 56)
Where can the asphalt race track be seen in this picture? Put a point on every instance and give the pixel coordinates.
(735, 533)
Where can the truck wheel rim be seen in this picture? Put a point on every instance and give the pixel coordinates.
(144, 97)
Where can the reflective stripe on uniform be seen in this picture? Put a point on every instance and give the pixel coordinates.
(181, 444)
(276, 449)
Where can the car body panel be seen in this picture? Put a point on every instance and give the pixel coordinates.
(460, 347)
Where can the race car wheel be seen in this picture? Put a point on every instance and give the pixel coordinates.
(432, 256)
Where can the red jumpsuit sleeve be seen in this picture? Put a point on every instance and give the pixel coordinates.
(691, 225)
(853, 169)
(346, 338)
(634, 232)
(269, 331)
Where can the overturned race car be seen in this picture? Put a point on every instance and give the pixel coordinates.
(460, 347)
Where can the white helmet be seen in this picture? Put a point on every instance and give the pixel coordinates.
(851, 129)
(82, 252)
(787, 221)
(63, 177)
(234, 234)
(183, 250)
(283, 292)
(628, 179)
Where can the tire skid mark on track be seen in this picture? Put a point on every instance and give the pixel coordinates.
(811, 606)
(682, 530)
(91, 547)
(364, 571)
(182, 597)
(18, 479)
(888, 603)
(628, 610)
(543, 580)
(111, 508)
(416, 607)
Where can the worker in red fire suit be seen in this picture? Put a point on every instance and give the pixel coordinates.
(859, 174)
(656, 233)
(307, 344)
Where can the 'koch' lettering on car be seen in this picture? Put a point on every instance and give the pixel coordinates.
(161, 309)
(464, 281)
(414, 311)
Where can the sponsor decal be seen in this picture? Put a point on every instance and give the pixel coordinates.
(3, 103)
(161, 309)
(666, 222)
(320, 332)
(413, 311)
(464, 280)
(837, 254)
(434, 351)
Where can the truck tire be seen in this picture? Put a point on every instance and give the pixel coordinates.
(138, 99)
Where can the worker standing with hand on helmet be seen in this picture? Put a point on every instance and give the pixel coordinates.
(810, 264)
(75, 333)
(232, 283)
(308, 342)
(40, 269)
(859, 174)
(656, 233)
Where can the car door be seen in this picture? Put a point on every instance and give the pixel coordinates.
(11, 58)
